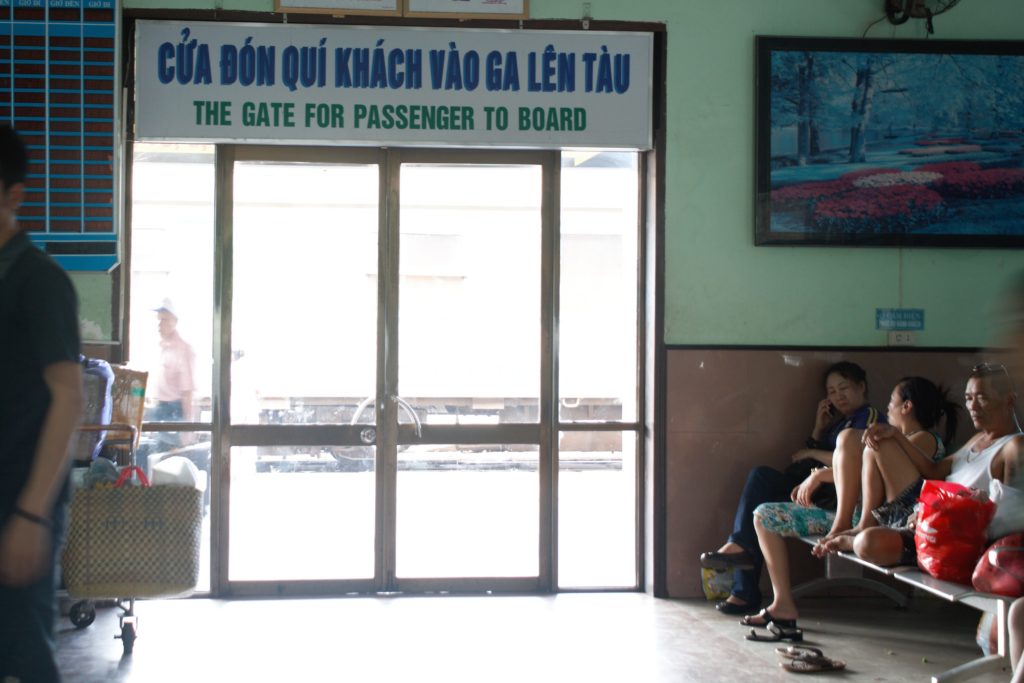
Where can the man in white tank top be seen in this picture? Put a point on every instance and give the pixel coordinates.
(996, 450)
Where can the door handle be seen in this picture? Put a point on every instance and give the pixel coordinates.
(404, 405)
(369, 435)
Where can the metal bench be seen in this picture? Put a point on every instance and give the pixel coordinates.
(844, 570)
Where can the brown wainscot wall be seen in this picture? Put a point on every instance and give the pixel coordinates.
(729, 410)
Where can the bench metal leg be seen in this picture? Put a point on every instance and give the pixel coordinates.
(850, 582)
(845, 574)
(973, 668)
(1001, 660)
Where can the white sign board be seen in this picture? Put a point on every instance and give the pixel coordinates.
(399, 86)
(514, 8)
(341, 7)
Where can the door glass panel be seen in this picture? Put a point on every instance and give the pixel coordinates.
(469, 297)
(469, 325)
(597, 509)
(304, 318)
(172, 261)
(295, 515)
(172, 266)
(597, 327)
(468, 510)
(304, 327)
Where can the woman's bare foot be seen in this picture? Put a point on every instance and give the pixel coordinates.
(730, 547)
(784, 613)
(842, 543)
(835, 534)
(839, 529)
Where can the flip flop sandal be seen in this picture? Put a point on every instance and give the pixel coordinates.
(766, 618)
(799, 652)
(775, 634)
(763, 614)
(762, 638)
(812, 666)
(787, 632)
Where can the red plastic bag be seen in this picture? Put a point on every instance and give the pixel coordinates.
(1001, 568)
(950, 534)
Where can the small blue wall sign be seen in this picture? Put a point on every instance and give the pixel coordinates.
(899, 318)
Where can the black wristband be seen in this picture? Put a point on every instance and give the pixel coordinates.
(812, 443)
(32, 517)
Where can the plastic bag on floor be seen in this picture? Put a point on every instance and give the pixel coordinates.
(717, 584)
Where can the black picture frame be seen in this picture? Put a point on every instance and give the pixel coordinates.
(944, 120)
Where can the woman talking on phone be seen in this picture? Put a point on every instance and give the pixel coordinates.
(835, 440)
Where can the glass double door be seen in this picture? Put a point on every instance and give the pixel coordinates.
(385, 355)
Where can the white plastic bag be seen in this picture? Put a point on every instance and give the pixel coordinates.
(1009, 517)
(177, 470)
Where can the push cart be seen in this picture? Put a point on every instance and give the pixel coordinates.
(136, 540)
(120, 438)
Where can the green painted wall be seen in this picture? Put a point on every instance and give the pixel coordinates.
(723, 290)
(94, 305)
(720, 289)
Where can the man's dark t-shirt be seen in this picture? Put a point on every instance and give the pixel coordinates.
(38, 327)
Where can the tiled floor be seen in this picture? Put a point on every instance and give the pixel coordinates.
(571, 637)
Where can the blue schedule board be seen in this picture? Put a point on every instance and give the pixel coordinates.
(58, 61)
(899, 318)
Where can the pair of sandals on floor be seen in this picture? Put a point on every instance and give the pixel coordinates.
(778, 629)
(801, 659)
(795, 658)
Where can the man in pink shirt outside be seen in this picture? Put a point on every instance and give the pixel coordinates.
(172, 383)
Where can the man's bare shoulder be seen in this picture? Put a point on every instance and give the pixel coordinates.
(1011, 448)
(1016, 442)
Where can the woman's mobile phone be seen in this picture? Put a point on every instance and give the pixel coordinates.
(831, 410)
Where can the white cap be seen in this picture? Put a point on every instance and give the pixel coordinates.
(168, 306)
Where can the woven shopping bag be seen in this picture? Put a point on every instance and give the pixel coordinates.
(133, 541)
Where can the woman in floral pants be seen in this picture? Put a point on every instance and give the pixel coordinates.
(915, 408)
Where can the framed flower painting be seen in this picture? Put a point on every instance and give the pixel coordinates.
(889, 142)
